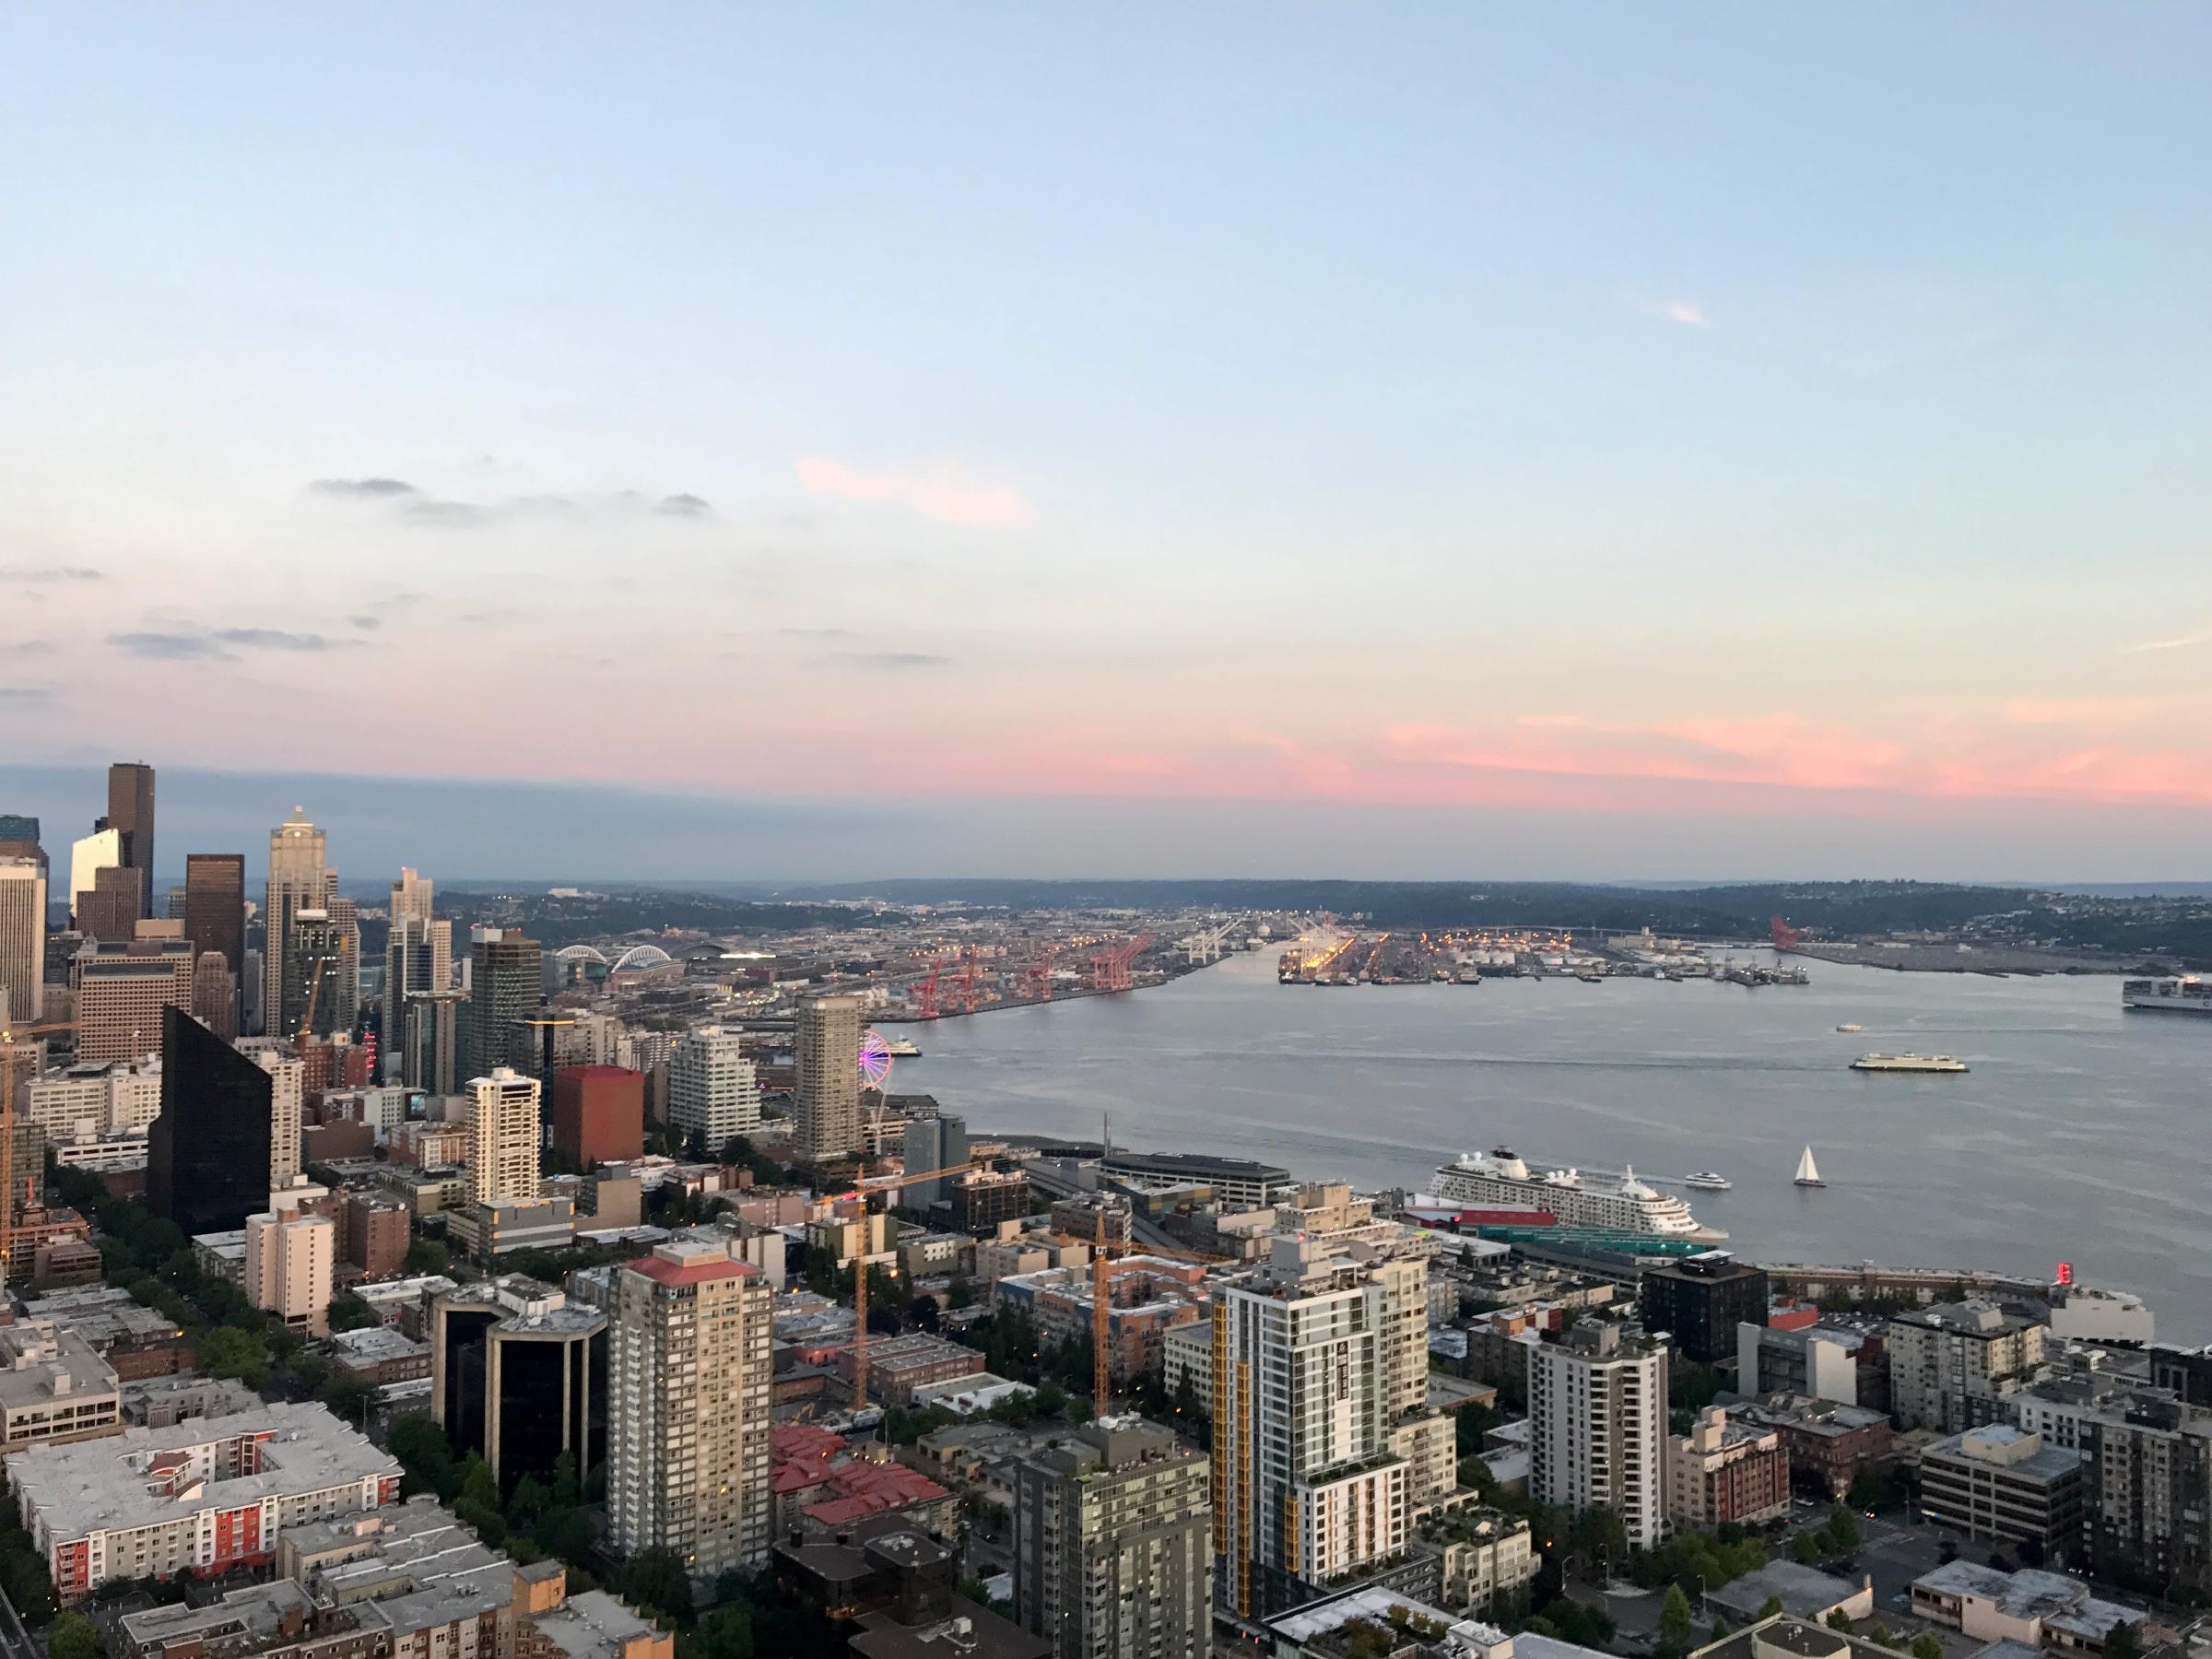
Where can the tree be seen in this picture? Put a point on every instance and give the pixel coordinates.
(478, 1500)
(1673, 1623)
(655, 1579)
(1927, 1645)
(426, 1455)
(527, 1503)
(1842, 1531)
(1719, 1631)
(1840, 1620)
(73, 1636)
(2125, 1641)
(1805, 1548)
(349, 1312)
(228, 1351)
(1772, 1605)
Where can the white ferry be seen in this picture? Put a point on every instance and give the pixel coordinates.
(1908, 1063)
(1613, 1203)
(1708, 1181)
(2167, 995)
(903, 1048)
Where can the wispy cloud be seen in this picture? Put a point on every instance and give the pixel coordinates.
(2179, 643)
(48, 574)
(222, 642)
(1687, 312)
(25, 697)
(943, 491)
(367, 624)
(685, 506)
(894, 659)
(370, 488)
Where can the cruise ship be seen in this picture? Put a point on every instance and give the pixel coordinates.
(2167, 995)
(1611, 1203)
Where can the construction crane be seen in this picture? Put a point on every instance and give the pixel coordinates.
(863, 1191)
(1102, 1324)
(10, 1047)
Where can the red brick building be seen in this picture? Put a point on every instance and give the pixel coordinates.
(599, 1113)
(373, 1233)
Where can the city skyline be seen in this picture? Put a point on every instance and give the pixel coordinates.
(1613, 448)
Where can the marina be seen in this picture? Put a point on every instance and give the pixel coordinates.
(2078, 1134)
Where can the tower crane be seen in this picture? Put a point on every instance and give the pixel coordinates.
(868, 1187)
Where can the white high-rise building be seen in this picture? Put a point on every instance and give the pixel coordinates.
(89, 855)
(22, 941)
(287, 1094)
(825, 1105)
(688, 1409)
(1597, 1427)
(299, 880)
(1305, 1486)
(504, 1137)
(116, 1100)
(289, 1260)
(712, 1087)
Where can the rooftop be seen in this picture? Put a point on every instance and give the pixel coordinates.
(41, 1363)
(2030, 1593)
(110, 1485)
(591, 1625)
(1804, 1590)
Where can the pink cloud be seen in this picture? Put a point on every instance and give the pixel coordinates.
(1687, 312)
(942, 491)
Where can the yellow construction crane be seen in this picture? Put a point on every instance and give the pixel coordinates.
(866, 1189)
(1102, 1369)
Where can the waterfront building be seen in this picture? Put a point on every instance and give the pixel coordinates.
(503, 1137)
(1700, 1301)
(299, 880)
(688, 1409)
(826, 1104)
(1954, 1366)
(713, 1089)
(933, 1142)
(1597, 1426)
(1237, 1183)
(1113, 1549)
(22, 940)
(208, 1152)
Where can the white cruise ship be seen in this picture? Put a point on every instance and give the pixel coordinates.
(1614, 1203)
(2167, 995)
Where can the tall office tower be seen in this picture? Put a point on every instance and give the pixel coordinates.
(345, 919)
(826, 1108)
(298, 877)
(288, 1107)
(121, 992)
(131, 814)
(111, 910)
(503, 968)
(1305, 1488)
(432, 1060)
(207, 1154)
(407, 972)
(102, 850)
(688, 1412)
(712, 1087)
(316, 954)
(289, 1260)
(518, 1375)
(1113, 1547)
(933, 1142)
(22, 941)
(173, 905)
(20, 838)
(215, 905)
(1597, 1427)
(215, 993)
(503, 1137)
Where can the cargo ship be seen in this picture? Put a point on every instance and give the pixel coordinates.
(1612, 1203)
(2167, 995)
(1908, 1063)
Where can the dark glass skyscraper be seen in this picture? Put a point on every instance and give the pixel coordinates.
(207, 1154)
(503, 986)
(131, 810)
(215, 905)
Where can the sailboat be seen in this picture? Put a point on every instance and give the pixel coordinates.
(1808, 1173)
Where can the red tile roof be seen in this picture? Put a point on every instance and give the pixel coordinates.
(661, 1269)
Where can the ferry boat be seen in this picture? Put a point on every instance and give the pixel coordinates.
(902, 1047)
(1908, 1063)
(1708, 1181)
(1612, 1203)
(2167, 995)
(1851, 1028)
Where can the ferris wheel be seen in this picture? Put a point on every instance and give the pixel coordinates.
(875, 1060)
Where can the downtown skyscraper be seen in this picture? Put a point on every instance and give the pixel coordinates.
(826, 1106)
(130, 816)
(299, 880)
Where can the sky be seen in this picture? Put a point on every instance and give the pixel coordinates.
(1605, 441)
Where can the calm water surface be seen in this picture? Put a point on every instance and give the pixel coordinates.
(2079, 1135)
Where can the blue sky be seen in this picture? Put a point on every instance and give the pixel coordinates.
(1617, 436)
